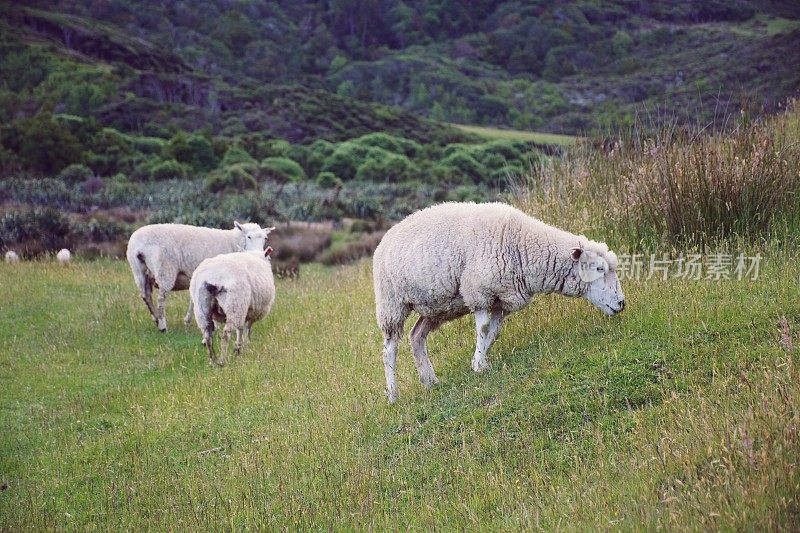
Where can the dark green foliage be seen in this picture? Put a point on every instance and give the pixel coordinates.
(392, 143)
(281, 170)
(75, 173)
(41, 143)
(461, 167)
(238, 177)
(192, 149)
(236, 154)
(387, 168)
(328, 180)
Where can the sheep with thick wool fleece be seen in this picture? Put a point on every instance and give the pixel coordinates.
(237, 289)
(12, 257)
(166, 255)
(64, 256)
(453, 259)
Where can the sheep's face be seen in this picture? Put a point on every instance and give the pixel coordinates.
(598, 274)
(255, 237)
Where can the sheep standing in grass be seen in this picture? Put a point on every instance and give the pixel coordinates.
(487, 259)
(12, 257)
(237, 289)
(64, 256)
(166, 255)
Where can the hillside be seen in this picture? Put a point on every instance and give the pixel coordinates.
(564, 66)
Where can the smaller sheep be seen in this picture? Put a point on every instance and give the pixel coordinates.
(64, 256)
(12, 257)
(237, 289)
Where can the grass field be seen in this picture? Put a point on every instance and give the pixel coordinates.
(519, 135)
(683, 412)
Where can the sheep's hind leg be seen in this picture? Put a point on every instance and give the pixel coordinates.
(419, 347)
(147, 296)
(487, 327)
(389, 362)
(240, 337)
(161, 317)
(224, 338)
(187, 320)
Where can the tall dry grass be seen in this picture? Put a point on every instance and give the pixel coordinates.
(677, 186)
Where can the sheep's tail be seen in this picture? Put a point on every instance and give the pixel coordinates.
(139, 269)
(206, 304)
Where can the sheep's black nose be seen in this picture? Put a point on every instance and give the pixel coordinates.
(621, 305)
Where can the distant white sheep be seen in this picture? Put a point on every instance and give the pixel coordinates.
(12, 257)
(166, 255)
(64, 256)
(487, 259)
(237, 289)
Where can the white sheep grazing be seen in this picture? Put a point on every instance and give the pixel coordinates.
(487, 259)
(237, 289)
(64, 256)
(166, 255)
(12, 257)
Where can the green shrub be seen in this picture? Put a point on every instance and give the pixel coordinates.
(460, 166)
(316, 154)
(391, 143)
(281, 170)
(328, 180)
(148, 145)
(348, 156)
(231, 178)
(236, 154)
(169, 169)
(75, 173)
(194, 150)
(388, 167)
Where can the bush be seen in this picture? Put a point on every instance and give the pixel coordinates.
(236, 154)
(231, 178)
(328, 180)
(194, 150)
(352, 251)
(348, 156)
(36, 230)
(169, 169)
(75, 173)
(390, 168)
(391, 143)
(281, 170)
(460, 166)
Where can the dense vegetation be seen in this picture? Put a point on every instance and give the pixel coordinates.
(561, 66)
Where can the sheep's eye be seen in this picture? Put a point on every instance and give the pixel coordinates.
(599, 269)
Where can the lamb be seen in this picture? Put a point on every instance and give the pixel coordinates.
(237, 289)
(64, 256)
(453, 259)
(166, 256)
(12, 257)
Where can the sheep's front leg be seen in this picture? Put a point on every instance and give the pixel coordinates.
(187, 320)
(487, 327)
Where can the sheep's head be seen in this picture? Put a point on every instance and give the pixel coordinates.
(253, 235)
(599, 284)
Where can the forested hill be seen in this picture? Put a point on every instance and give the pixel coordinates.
(566, 66)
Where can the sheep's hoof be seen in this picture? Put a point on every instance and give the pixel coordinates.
(429, 382)
(392, 395)
(479, 365)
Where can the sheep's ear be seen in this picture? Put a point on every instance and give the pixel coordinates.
(269, 230)
(268, 251)
(238, 226)
(576, 253)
